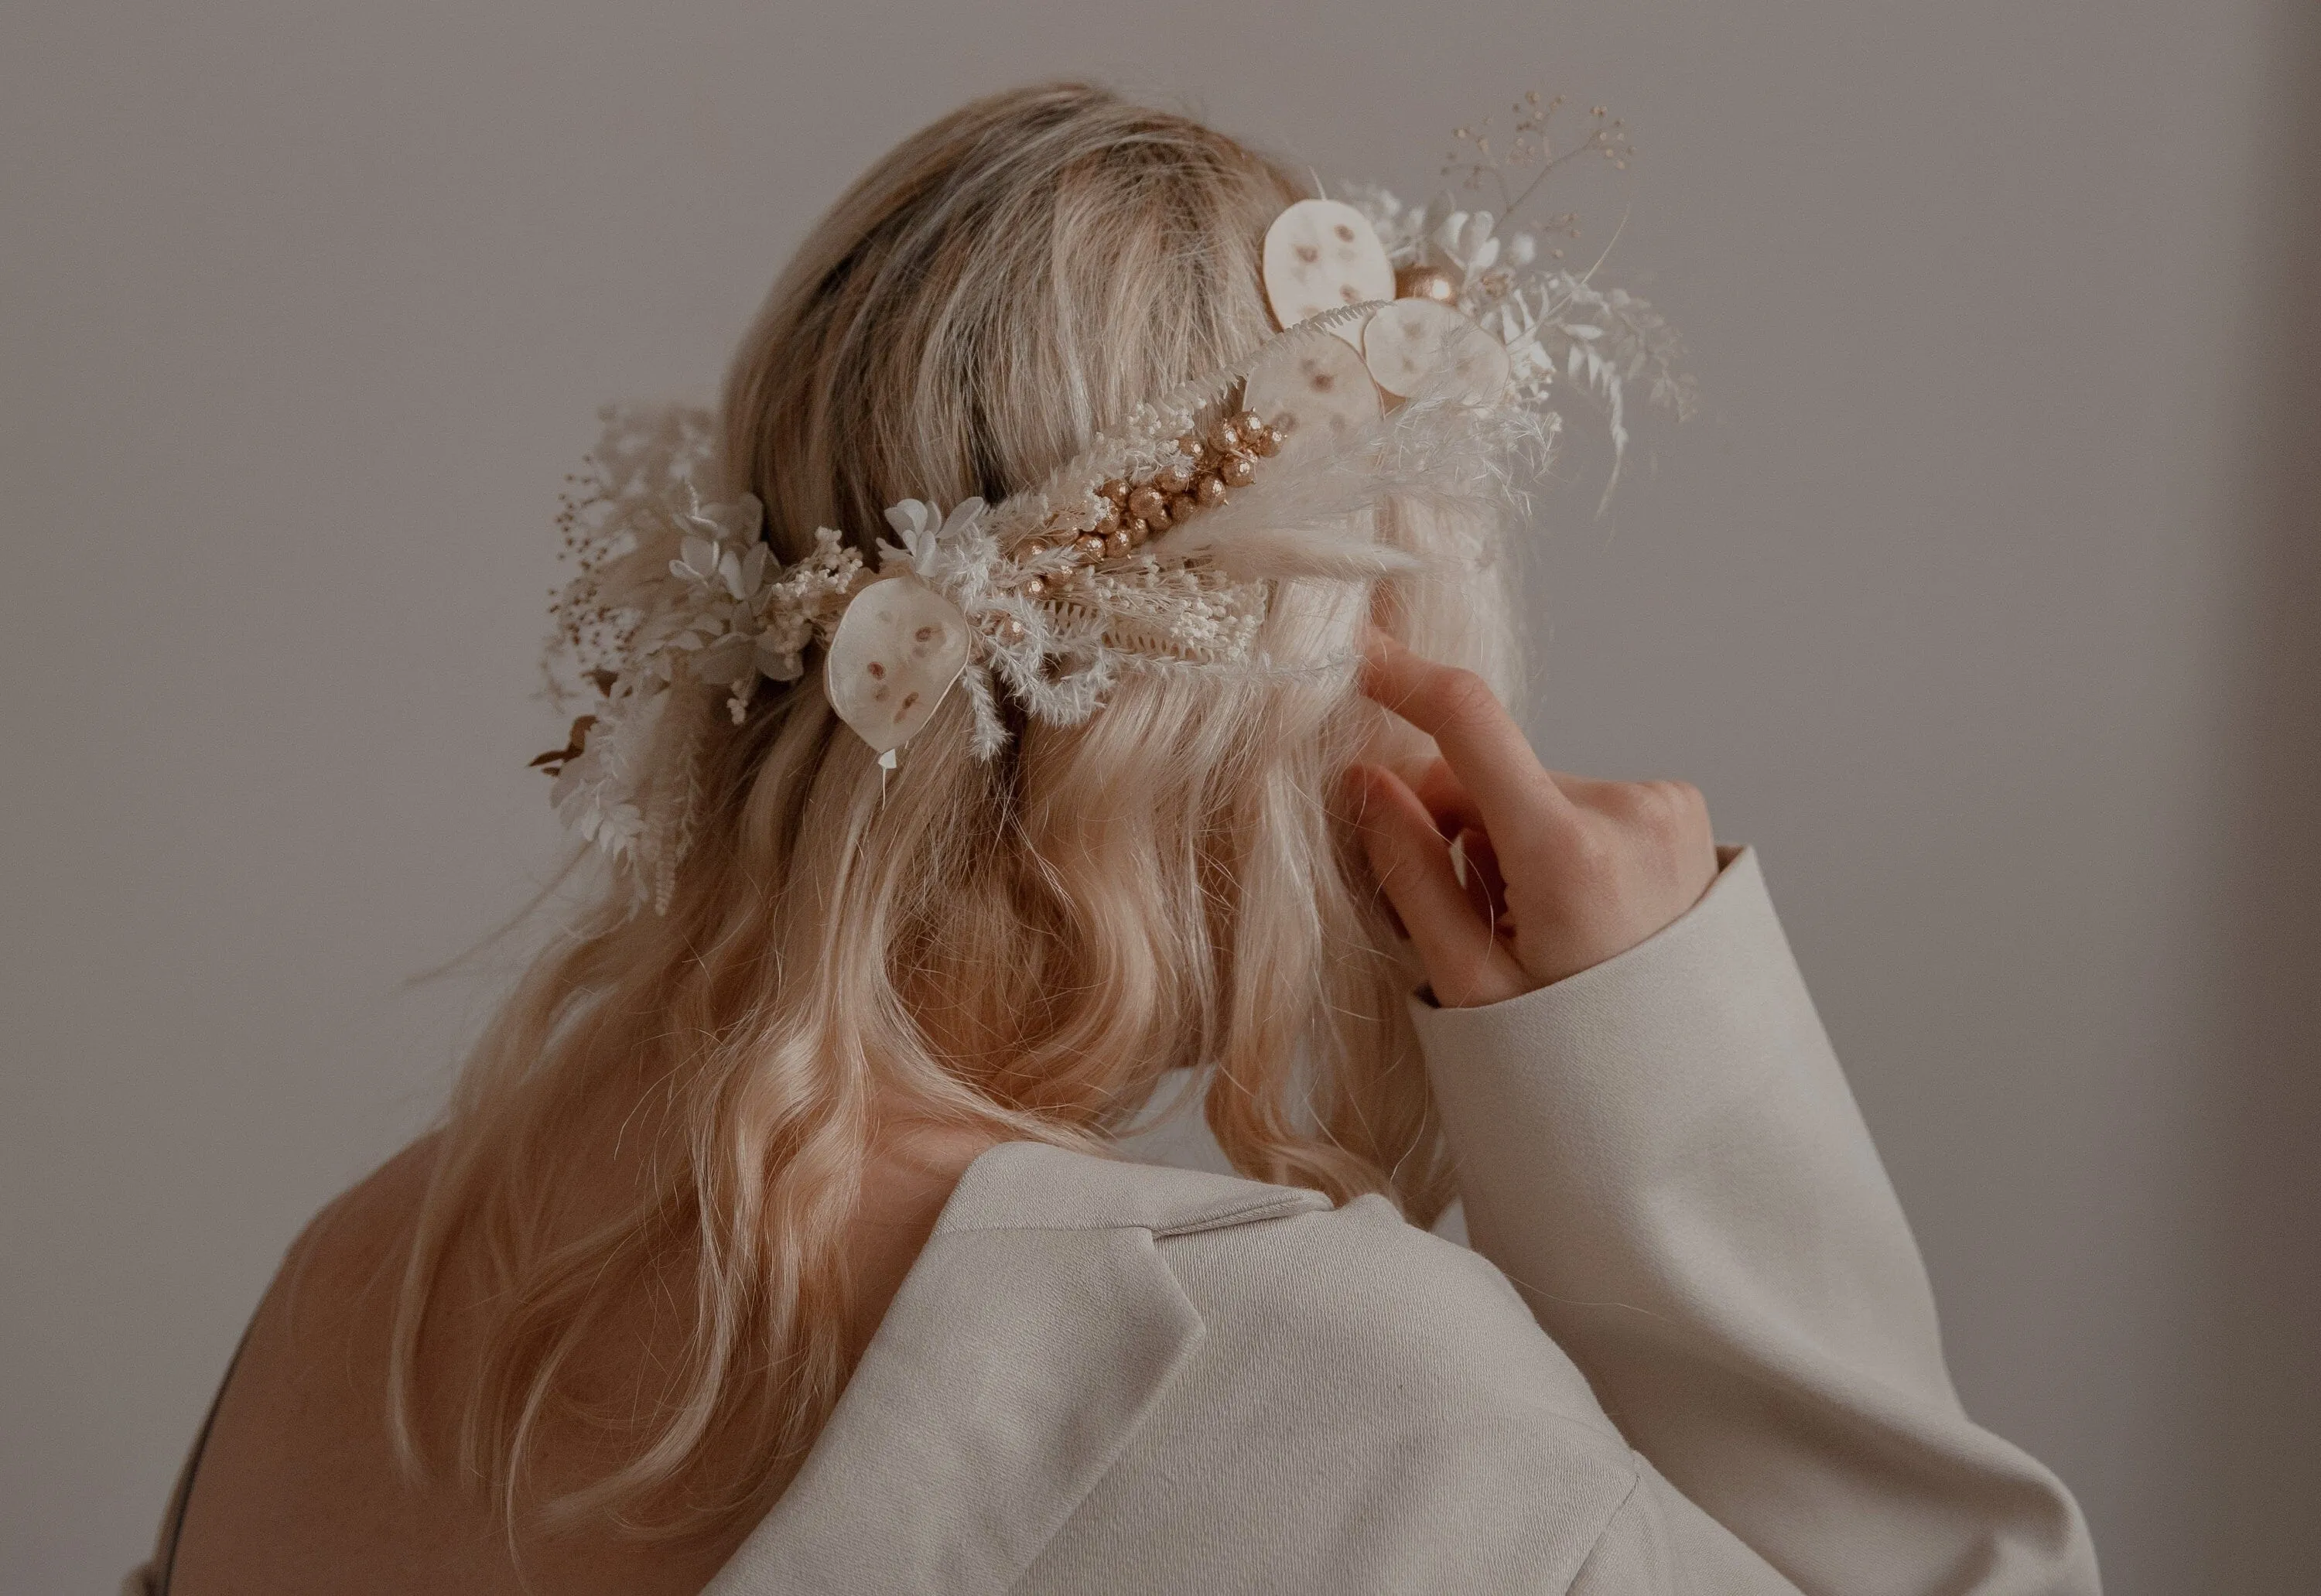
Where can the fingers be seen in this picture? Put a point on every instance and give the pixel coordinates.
(1447, 798)
(1486, 884)
(1485, 750)
(1465, 960)
(1474, 861)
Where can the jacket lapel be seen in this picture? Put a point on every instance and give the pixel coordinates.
(1033, 1333)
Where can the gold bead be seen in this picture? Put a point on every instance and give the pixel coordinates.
(1425, 282)
(1225, 436)
(1184, 507)
(1249, 424)
(1013, 630)
(1136, 530)
(1160, 520)
(1035, 587)
(1090, 547)
(1117, 544)
(1108, 523)
(1210, 490)
(1237, 471)
(1147, 502)
(1266, 443)
(1189, 443)
(1174, 479)
(1032, 550)
(1116, 490)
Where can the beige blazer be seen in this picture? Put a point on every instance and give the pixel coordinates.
(1693, 1350)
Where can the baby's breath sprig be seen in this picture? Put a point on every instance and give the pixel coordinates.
(1529, 156)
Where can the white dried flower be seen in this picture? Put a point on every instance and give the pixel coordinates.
(674, 601)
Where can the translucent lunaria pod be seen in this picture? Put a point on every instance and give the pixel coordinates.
(1419, 346)
(1323, 254)
(898, 649)
(1314, 388)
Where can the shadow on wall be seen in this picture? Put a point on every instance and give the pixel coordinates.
(2265, 1430)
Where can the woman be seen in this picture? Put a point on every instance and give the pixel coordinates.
(781, 1236)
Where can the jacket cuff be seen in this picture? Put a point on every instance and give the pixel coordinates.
(1679, 1103)
(1738, 877)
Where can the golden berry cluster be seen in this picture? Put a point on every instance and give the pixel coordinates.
(1207, 468)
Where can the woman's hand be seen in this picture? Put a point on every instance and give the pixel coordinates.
(1560, 873)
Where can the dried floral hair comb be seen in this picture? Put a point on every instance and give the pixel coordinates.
(1419, 358)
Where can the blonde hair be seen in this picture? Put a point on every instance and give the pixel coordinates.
(1022, 946)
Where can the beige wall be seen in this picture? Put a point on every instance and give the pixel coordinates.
(1981, 598)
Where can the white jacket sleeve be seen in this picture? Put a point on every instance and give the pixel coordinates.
(1661, 1152)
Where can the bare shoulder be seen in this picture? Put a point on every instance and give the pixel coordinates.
(299, 1465)
(320, 1332)
(341, 1272)
(301, 1487)
(324, 1320)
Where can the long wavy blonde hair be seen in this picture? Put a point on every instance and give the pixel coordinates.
(1022, 946)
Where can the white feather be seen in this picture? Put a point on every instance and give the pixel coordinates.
(1307, 513)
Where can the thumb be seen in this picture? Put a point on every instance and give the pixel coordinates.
(1465, 962)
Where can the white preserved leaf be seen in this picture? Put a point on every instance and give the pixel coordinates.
(897, 650)
(1322, 255)
(1313, 390)
(1418, 346)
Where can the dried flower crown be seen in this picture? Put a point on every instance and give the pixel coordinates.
(1420, 357)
